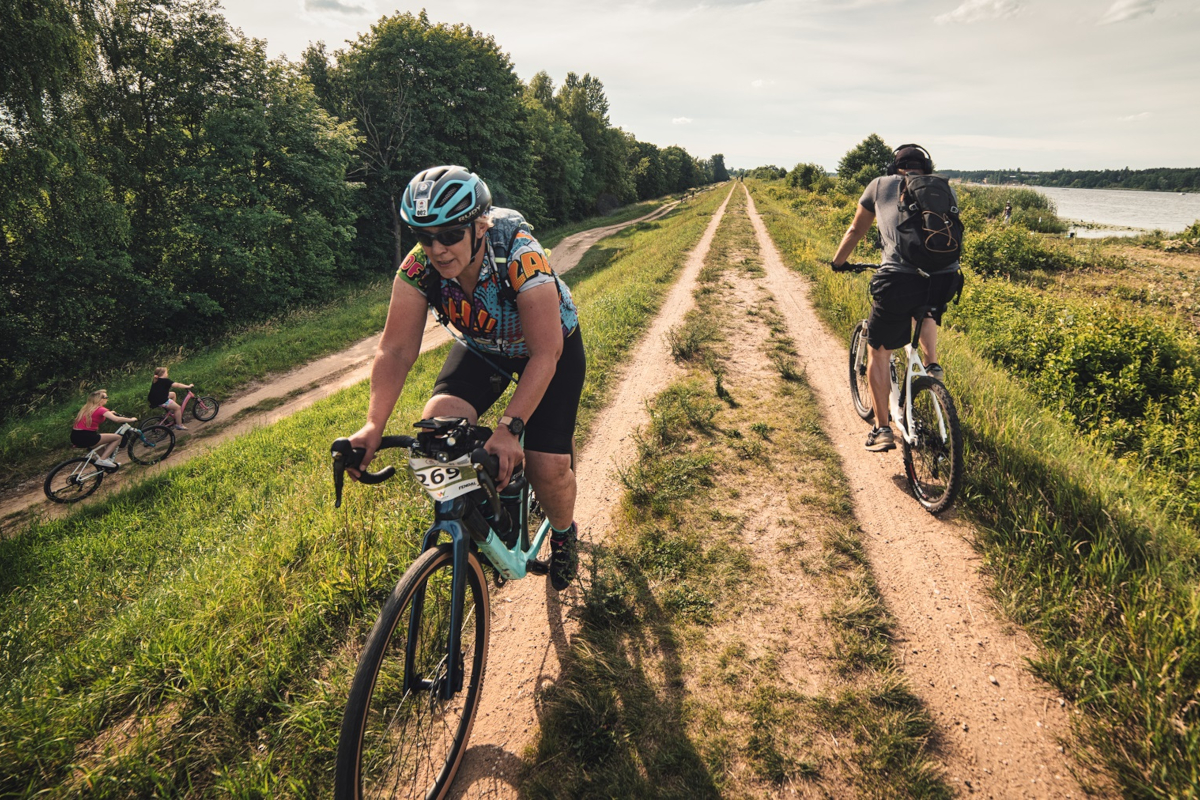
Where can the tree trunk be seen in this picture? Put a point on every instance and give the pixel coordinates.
(397, 227)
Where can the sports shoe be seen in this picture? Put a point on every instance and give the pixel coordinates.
(564, 558)
(935, 371)
(880, 439)
(107, 463)
(180, 427)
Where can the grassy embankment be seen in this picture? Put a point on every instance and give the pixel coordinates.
(1089, 547)
(732, 641)
(195, 633)
(31, 444)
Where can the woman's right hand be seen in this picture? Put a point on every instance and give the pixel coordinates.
(368, 437)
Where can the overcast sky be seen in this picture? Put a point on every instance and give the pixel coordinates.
(1036, 84)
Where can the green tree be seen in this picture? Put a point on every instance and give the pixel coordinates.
(805, 176)
(866, 160)
(719, 172)
(45, 46)
(557, 150)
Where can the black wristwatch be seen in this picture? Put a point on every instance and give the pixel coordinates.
(515, 425)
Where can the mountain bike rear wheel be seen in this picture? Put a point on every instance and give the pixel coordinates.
(933, 464)
(860, 390)
(155, 443)
(398, 742)
(73, 480)
(205, 408)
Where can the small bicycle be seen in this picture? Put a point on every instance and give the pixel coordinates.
(76, 478)
(204, 409)
(921, 408)
(413, 699)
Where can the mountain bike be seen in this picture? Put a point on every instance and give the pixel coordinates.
(76, 478)
(204, 409)
(414, 695)
(920, 407)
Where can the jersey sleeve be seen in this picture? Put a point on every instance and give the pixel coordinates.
(527, 263)
(867, 200)
(412, 268)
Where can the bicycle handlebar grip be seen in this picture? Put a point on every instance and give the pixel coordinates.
(346, 456)
(488, 461)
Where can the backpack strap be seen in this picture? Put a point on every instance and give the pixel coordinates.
(501, 249)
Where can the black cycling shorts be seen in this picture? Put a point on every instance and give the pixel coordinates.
(898, 295)
(551, 429)
(82, 438)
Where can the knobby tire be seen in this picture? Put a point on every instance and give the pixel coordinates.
(933, 464)
(160, 441)
(860, 390)
(62, 485)
(397, 744)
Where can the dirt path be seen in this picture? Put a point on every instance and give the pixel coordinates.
(1000, 726)
(280, 397)
(531, 623)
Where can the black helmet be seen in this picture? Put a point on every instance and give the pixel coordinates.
(910, 156)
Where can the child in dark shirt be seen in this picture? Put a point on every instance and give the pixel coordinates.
(161, 395)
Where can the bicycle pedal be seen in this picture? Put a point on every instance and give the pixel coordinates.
(538, 567)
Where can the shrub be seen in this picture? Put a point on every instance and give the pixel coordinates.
(995, 249)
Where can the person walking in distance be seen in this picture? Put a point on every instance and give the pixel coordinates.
(900, 286)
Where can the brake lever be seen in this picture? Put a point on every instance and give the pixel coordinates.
(346, 456)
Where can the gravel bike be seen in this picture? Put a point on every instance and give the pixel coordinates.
(204, 409)
(414, 695)
(920, 407)
(76, 478)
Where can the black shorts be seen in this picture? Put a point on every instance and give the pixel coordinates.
(88, 439)
(551, 429)
(898, 295)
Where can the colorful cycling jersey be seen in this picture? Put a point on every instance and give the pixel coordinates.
(486, 318)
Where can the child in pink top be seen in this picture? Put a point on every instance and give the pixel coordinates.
(86, 431)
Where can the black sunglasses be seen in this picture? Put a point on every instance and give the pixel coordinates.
(446, 238)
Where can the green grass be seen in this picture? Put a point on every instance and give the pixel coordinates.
(1079, 551)
(195, 633)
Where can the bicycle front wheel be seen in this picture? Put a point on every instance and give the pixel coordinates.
(933, 463)
(205, 408)
(860, 390)
(73, 480)
(398, 737)
(155, 443)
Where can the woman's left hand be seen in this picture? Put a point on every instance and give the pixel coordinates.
(507, 448)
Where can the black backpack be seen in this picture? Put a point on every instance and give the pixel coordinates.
(930, 232)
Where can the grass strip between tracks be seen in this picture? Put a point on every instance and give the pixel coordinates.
(195, 634)
(1108, 585)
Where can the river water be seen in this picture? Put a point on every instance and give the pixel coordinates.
(1112, 212)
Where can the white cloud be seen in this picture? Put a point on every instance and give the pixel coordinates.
(1135, 117)
(341, 7)
(681, 121)
(1125, 10)
(977, 10)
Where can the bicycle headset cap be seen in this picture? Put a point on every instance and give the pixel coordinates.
(910, 156)
(446, 195)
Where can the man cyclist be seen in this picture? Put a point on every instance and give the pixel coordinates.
(898, 288)
(513, 316)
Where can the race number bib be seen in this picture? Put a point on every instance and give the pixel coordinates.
(444, 481)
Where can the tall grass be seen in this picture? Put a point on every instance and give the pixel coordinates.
(1080, 552)
(195, 634)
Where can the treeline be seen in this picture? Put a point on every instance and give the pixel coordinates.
(163, 181)
(1162, 179)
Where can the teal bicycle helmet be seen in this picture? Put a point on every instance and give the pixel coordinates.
(446, 195)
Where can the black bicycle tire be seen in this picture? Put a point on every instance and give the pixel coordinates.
(858, 379)
(935, 503)
(208, 401)
(156, 433)
(94, 481)
(348, 777)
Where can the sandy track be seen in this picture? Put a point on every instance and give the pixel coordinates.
(531, 623)
(997, 739)
(297, 389)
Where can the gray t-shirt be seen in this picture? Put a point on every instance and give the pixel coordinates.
(882, 198)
